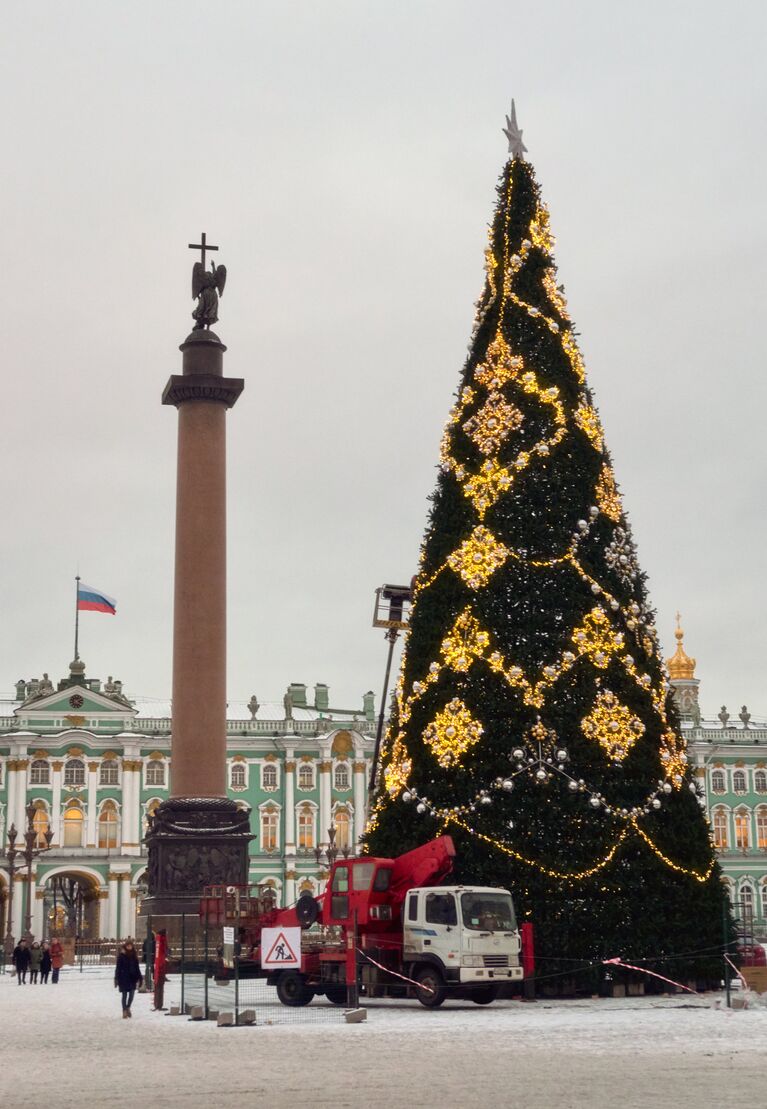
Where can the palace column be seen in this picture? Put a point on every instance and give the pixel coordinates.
(360, 768)
(325, 768)
(19, 893)
(114, 893)
(290, 804)
(130, 807)
(20, 798)
(93, 785)
(57, 767)
(127, 906)
(10, 784)
(198, 836)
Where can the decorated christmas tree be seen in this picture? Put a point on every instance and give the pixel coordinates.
(533, 719)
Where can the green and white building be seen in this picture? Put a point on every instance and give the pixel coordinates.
(729, 754)
(95, 763)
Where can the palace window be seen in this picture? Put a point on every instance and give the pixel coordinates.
(73, 826)
(718, 784)
(764, 900)
(109, 773)
(760, 781)
(151, 808)
(155, 773)
(343, 830)
(306, 776)
(719, 823)
(269, 776)
(41, 824)
(746, 895)
(305, 828)
(761, 828)
(74, 773)
(742, 832)
(341, 776)
(237, 775)
(269, 829)
(739, 781)
(108, 821)
(40, 773)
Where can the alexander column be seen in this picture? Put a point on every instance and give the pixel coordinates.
(198, 836)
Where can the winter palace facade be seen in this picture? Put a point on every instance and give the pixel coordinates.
(94, 764)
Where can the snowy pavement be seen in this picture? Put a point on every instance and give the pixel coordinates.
(68, 1046)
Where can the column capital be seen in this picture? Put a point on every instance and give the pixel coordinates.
(360, 767)
(93, 767)
(209, 387)
(290, 767)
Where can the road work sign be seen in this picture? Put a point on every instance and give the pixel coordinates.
(281, 948)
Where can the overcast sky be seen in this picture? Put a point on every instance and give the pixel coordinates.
(345, 155)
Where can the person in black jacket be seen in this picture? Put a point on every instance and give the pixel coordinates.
(45, 963)
(127, 975)
(21, 960)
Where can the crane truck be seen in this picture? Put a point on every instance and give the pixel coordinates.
(389, 924)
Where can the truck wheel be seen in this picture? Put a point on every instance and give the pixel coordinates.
(292, 989)
(336, 994)
(431, 987)
(484, 995)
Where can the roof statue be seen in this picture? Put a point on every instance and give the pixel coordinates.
(517, 148)
(680, 666)
(207, 286)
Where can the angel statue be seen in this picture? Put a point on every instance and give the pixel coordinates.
(207, 286)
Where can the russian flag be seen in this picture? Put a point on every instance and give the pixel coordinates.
(93, 600)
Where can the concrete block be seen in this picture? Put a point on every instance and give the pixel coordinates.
(618, 990)
(225, 1020)
(355, 1016)
(635, 989)
(196, 1012)
(174, 1011)
(212, 1014)
(248, 1016)
(739, 1003)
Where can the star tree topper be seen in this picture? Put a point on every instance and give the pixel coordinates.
(517, 148)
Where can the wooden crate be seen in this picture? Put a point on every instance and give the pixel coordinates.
(755, 978)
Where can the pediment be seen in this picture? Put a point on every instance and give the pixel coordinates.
(74, 701)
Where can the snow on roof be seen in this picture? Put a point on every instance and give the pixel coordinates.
(238, 710)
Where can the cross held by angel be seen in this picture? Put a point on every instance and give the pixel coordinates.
(207, 286)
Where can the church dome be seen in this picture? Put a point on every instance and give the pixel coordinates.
(680, 666)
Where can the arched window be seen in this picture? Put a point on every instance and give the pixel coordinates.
(269, 829)
(717, 781)
(719, 823)
(269, 776)
(73, 826)
(746, 895)
(151, 808)
(108, 821)
(739, 781)
(40, 823)
(341, 776)
(760, 781)
(343, 830)
(109, 773)
(742, 830)
(40, 773)
(307, 886)
(74, 773)
(764, 900)
(155, 773)
(237, 775)
(761, 828)
(305, 827)
(306, 776)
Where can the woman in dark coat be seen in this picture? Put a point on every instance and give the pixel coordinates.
(21, 960)
(45, 964)
(127, 975)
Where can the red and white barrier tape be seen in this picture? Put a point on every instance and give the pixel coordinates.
(412, 981)
(644, 970)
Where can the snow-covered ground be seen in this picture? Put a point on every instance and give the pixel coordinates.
(68, 1046)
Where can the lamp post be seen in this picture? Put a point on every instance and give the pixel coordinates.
(390, 613)
(10, 854)
(30, 853)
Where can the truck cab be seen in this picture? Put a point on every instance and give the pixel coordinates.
(461, 941)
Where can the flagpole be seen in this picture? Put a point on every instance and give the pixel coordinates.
(77, 617)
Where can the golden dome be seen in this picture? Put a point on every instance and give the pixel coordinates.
(680, 666)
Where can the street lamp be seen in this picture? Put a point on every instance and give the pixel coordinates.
(10, 854)
(30, 853)
(391, 611)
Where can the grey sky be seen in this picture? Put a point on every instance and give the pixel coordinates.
(345, 156)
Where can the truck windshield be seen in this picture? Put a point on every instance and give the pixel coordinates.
(488, 912)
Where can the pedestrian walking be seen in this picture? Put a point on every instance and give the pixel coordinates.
(160, 966)
(21, 961)
(57, 960)
(128, 975)
(45, 964)
(35, 958)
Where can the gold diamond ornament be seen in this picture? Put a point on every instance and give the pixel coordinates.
(452, 732)
(478, 557)
(612, 725)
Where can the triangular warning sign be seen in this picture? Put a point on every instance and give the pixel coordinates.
(281, 951)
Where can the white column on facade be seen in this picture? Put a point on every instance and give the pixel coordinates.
(290, 804)
(20, 816)
(129, 839)
(103, 917)
(93, 785)
(19, 892)
(56, 803)
(360, 771)
(10, 783)
(112, 904)
(325, 768)
(127, 908)
(38, 895)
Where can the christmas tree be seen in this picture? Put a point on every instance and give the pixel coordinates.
(533, 719)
